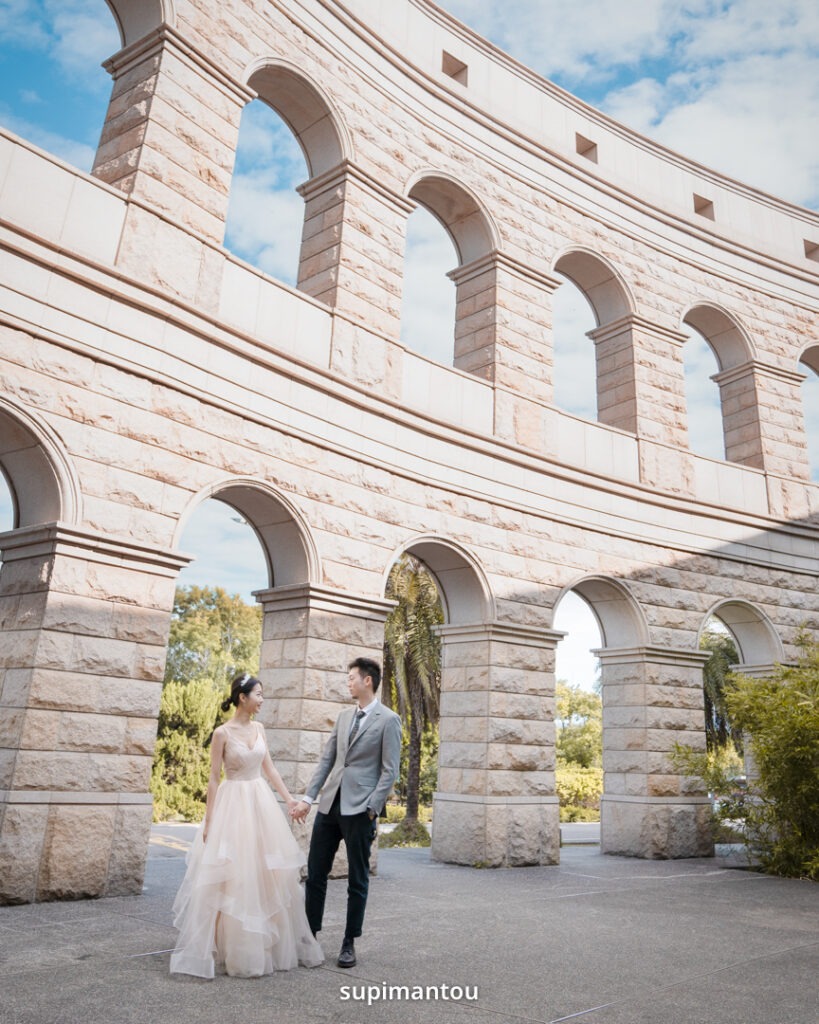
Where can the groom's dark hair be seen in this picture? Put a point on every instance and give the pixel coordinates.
(368, 667)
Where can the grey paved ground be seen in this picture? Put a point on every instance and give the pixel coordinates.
(598, 940)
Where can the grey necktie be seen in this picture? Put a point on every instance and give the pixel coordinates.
(356, 723)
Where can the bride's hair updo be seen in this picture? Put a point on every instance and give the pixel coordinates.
(241, 684)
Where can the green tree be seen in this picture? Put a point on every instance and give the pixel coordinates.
(579, 726)
(213, 635)
(779, 812)
(188, 713)
(724, 654)
(412, 662)
(781, 716)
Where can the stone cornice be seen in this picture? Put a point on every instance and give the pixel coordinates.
(497, 260)
(166, 39)
(634, 322)
(345, 172)
(502, 632)
(55, 539)
(653, 655)
(313, 597)
(756, 368)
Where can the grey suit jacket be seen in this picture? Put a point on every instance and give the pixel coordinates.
(365, 769)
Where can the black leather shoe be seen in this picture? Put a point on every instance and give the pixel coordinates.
(346, 958)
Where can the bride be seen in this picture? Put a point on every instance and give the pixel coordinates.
(240, 907)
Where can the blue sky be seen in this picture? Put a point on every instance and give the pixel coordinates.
(732, 83)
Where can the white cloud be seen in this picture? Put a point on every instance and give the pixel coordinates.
(733, 84)
(78, 154)
(580, 41)
(21, 24)
(81, 30)
(265, 213)
(752, 119)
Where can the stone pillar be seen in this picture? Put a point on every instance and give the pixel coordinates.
(496, 804)
(503, 324)
(309, 636)
(84, 622)
(352, 255)
(652, 699)
(170, 133)
(763, 418)
(641, 379)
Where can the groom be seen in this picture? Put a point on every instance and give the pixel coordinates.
(357, 769)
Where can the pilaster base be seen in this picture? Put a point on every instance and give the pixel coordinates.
(496, 832)
(656, 829)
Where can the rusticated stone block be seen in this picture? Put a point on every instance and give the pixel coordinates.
(520, 834)
(126, 867)
(22, 832)
(74, 867)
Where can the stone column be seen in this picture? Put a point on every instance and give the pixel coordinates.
(503, 324)
(496, 804)
(352, 255)
(652, 699)
(170, 133)
(763, 418)
(84, 621)
(310, 634)
(641, 379)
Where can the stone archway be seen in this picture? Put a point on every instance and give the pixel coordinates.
(495, 803)
(758, 643)
(652, 698)
(42, 481)
(298, 707)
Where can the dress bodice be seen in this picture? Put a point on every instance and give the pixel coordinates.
(243, 763)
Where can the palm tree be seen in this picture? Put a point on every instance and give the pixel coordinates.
(412, 660)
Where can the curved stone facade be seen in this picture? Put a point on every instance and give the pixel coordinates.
(145, 369)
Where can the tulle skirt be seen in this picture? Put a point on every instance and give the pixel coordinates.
(240, 907)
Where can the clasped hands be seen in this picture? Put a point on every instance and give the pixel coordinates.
(299, 810)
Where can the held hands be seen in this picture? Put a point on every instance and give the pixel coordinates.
(298, 810)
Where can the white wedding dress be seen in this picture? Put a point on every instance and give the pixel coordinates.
(240, 907)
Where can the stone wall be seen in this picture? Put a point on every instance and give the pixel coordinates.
(144, 369)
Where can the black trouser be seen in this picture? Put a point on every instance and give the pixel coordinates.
(358, 832)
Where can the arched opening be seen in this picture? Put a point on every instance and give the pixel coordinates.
(578, 720)
(738, 637)
(810, 406)
(7, 511)
(53, 55)
(287, 549)
(39, 479)
(265, 212)
(287, 135)
(428, 296)
(608, 302)
(243, 536)
(466, 605)
(575, 371)
(719, 396)
(702, 398)
(427, 310)
(757, 641)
